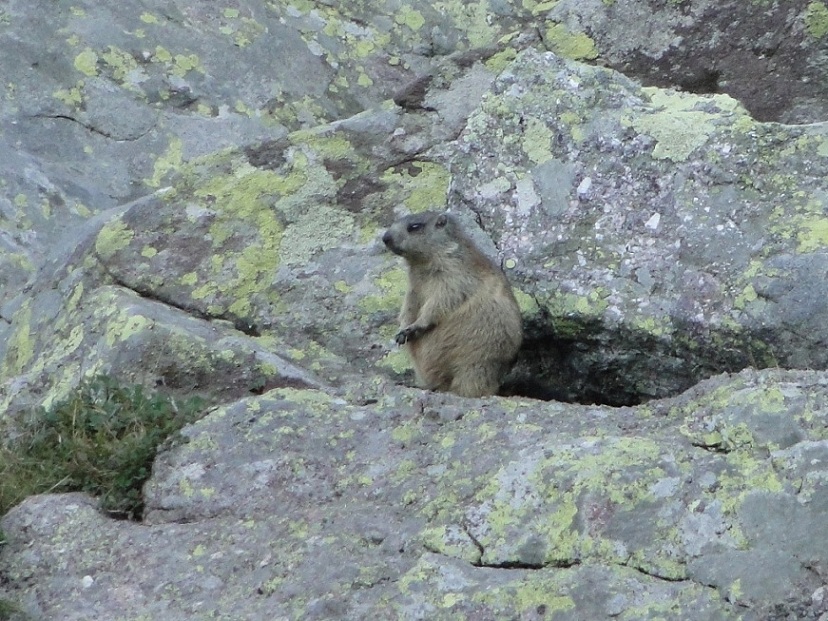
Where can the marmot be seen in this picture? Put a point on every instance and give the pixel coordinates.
(459, 320)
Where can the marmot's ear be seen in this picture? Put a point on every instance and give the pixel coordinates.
(441, 221)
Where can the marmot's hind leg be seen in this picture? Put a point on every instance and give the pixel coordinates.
(476, 381)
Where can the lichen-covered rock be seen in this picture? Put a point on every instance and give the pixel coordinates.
(191, 196)
(300, 504)
(672, 233)
(771, 59)
(277, 241)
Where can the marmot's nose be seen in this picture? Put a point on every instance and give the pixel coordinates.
(386, 238)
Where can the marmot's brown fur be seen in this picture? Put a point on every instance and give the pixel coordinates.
(459, 320)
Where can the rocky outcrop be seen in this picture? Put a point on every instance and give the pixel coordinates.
(298, 504)
(673, 233)
(192, 201)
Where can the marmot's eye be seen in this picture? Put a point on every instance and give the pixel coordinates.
(414, 227)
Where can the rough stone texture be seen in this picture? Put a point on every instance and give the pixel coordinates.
(190, 197)
(299, 504)
(676, 234)
(773, 56)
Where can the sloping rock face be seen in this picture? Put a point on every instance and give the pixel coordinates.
(192, 197)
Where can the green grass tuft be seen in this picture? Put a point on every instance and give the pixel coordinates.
(9, 610)
(102, 440)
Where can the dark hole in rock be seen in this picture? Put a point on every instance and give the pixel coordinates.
(704, 82)
(583, 361)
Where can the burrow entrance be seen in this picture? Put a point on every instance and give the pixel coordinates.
(584, 362)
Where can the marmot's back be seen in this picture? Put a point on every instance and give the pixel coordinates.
(459, 320)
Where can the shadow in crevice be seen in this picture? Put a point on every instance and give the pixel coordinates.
(584, 361)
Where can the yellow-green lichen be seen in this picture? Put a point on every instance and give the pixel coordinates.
(472, 18)
(120, 62)
(114, 236)
(75, 297)
(393, 284)
(240, 201)
(677, 128)
(592, 304)
(72, 97)
(21, 345)
(423, 186)
(364, 80)
(574, 45)
(747, 295)
(87, 62)
(429, 188)
(247, 31)
(396, 360)
(451, 541)
(537, 143)
(531, 592)
(409, 17)
(528, 305)
(499, 61)
(654, 326)
(816, 19)
(321, 228)
(342, 287)
(125, 325)
(148, 18)
(813, 233)
(540, 7)
(170, 160)
(746, 474)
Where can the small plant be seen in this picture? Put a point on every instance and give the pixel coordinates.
(102, 439)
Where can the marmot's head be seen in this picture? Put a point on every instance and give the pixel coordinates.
(421, 236)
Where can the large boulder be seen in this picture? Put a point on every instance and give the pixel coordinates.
(299, 504)
(664, 236)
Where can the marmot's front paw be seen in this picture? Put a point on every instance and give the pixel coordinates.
(407, 334)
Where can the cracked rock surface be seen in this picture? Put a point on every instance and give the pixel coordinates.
(299, 504)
